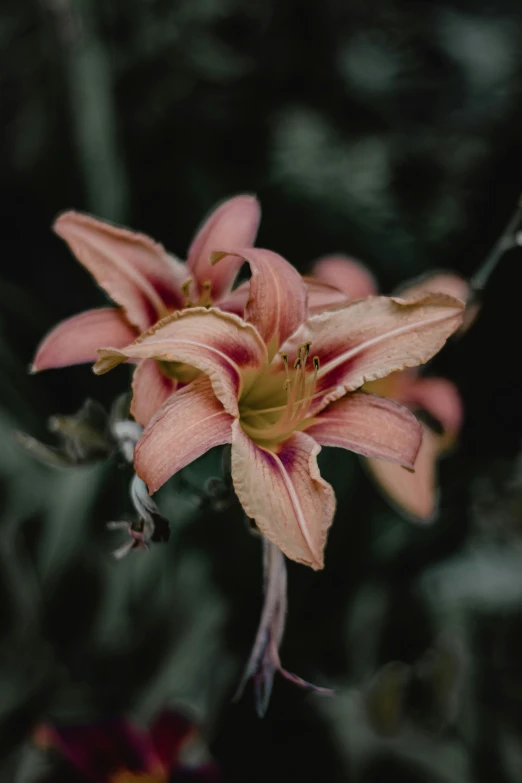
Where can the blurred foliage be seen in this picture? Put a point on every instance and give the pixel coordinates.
(388, 130)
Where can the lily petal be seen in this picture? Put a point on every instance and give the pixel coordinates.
(437, 283)
(414, 494)
(220, 344)
(277, 304)
(372, 338)
(322, 296)
(347, 275)
(369, 425)
(150, 389)
(439, 397)
(76, 340)
(190, 422)
(236, 300)
(135, 271)
(283, 492)
(233, 224)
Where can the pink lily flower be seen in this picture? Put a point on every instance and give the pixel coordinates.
(148, 283)
(278, 386)
(415, 494)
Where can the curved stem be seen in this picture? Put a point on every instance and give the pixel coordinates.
(507, 240)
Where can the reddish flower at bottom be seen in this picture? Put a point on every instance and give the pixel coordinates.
(116, 751)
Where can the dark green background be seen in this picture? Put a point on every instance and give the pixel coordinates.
(389, 130)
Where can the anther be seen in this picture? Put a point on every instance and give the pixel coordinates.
(186, 292)
(316, 363)
(284, 357)
(205, 300)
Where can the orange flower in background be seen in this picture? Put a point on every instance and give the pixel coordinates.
(278, 385)
(114, 750)
(414, 493)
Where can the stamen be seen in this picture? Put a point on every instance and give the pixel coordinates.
(205, 300)
(284, 357)
(300, 383)
(186, 292)
(300, 391)
(284, 407)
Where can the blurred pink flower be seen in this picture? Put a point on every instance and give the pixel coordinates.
(415, 493)
(265, 391)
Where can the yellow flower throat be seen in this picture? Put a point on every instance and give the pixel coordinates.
(276, 403)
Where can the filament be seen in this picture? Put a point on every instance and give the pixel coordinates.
(299, 390)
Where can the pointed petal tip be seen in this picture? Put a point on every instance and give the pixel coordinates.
(261, 710)
(316, 563)
(244, 199)
(309, 686)
(63, 218)
(108, 359)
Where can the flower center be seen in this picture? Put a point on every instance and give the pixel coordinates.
(276, 404)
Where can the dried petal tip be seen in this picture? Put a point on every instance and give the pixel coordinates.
(151, 526)
(264, 660)
(137, 539)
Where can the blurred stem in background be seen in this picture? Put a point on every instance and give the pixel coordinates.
(94, 115)
(509, 239)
